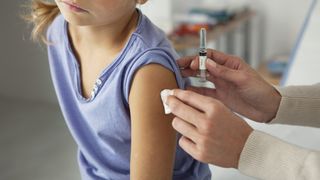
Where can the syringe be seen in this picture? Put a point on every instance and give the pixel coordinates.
(203, 55)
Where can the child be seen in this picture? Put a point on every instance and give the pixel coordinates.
(109, 63)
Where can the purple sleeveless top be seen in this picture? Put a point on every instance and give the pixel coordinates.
(101, 125)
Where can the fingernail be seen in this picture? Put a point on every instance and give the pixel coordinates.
(174, 123)
(211, 63)
(192, 63)
(164, 97)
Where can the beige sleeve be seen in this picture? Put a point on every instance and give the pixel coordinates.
(300, 105)
(267, 157)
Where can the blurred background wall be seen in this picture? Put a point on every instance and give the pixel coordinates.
(281, 22)
(34, 141)
(24, 72)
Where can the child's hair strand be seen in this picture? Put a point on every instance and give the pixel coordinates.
(41, 15)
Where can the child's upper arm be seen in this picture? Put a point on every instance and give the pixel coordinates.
(153, 138)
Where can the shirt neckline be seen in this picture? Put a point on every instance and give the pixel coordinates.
(103, 75)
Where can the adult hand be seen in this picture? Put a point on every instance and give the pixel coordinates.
(238, 86)
(211, 132)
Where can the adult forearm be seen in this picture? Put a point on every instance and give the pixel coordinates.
(267, 157)
(300, 105)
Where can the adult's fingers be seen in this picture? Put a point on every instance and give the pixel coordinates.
(184, 111)
(188, 146)
(195, 63)
(185, 129)
(193, 99)
(217, 56)
(185, 61)
(223, 72)
(204, 91)
(189, 62)
(188, 72)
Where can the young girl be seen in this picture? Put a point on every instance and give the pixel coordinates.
(108, 64)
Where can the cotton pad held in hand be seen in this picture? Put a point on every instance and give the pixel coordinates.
(164, 96)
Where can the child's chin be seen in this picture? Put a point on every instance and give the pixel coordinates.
(78, 20)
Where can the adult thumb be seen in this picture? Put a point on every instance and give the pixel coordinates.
(222, 72)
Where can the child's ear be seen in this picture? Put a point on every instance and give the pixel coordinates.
(141, 1)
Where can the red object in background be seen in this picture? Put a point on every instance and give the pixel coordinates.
(189, 29)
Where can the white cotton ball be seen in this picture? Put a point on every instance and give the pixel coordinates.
(164, 96)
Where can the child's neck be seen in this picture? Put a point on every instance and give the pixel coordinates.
(110, 38)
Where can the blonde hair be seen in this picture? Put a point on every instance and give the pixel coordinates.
(41, 14)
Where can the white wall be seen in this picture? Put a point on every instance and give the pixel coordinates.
(24, 69)
(160, 13)
(281, 24)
